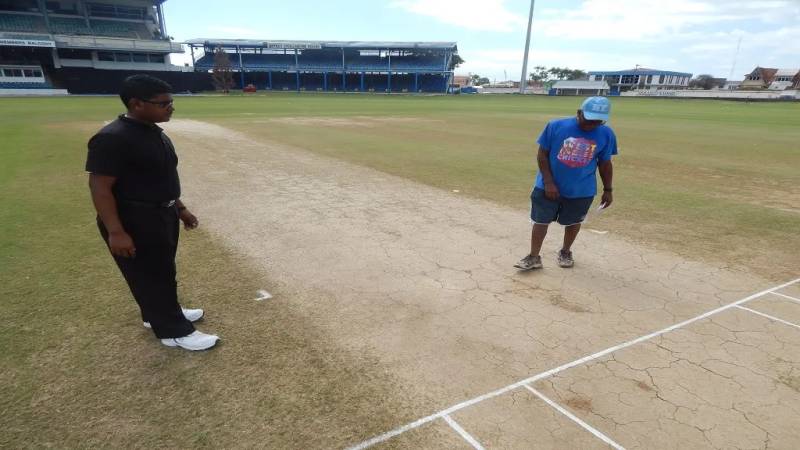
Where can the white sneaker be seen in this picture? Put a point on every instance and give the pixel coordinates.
(192, 315)
(194, 341)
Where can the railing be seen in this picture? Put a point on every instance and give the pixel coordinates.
(24, 85)
(255, 62)
(95, 42)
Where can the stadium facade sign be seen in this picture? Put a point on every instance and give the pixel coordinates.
(26, 43)
(293, 45)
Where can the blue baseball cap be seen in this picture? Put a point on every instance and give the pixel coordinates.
(596, 108)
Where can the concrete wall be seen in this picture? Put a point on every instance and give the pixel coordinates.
(513, 90)
(113, 65)
(109, 43)
(84, 80)
(755, 95)
(35, 92)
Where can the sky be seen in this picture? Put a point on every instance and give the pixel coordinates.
(697, 36)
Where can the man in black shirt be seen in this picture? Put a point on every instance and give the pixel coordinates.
(133, 179)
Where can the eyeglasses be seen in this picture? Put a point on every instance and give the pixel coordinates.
(162, 105)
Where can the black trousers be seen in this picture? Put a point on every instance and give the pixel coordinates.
(151, 274)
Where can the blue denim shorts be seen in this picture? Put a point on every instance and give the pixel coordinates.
(567, 211)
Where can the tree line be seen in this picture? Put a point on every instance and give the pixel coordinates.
(542, 74)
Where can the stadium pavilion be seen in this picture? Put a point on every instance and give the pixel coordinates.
(642, 78)
(332, 65)
(90, 46)
(86, 46)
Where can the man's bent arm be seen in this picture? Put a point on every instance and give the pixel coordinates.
(606, 170)
(543, 159)
(104, 201)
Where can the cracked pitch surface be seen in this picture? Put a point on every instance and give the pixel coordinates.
(777, 307)
(730, 381)
(423, 277)
(518, 419)
(792, 291)
(437, 434)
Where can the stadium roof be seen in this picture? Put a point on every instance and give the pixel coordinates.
(640, 71)
(280, 44)
(786, 72)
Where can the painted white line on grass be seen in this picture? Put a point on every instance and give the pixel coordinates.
(773, 318)
(786, 296)
(537, 377)
(467, 437)
(576, 419)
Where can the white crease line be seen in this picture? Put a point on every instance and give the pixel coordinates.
(786, 296)
(467, 437)
(577, 362)
(575, 419)
(390, 434)
(773, 318)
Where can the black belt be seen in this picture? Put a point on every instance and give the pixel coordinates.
(166, 204)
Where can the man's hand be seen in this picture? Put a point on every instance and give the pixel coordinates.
(607, 199)
(551, 191)
(121, 244)
(189, 220)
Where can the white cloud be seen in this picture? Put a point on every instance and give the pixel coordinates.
(492, 62)
(628, 20)
(656, 20)
(779, 44)
(479, 15)
(697, 36)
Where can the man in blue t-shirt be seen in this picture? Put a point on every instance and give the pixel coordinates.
(571, 152)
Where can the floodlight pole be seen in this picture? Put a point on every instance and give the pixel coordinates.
(523, 83)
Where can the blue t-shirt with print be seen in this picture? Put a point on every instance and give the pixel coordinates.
(574, 155)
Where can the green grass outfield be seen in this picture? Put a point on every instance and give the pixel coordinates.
(711, 180)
